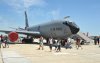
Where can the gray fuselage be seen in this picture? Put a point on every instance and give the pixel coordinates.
(55, 29)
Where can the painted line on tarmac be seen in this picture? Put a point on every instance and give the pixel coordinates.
(62, 53)
(13, 57)
(59, 53)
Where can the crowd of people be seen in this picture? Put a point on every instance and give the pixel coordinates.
(51, 43)
(57, 43)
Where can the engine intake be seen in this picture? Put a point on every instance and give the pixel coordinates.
(13, 36)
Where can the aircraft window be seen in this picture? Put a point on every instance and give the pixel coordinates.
(73, 24)
(70, 23)
(66, 22)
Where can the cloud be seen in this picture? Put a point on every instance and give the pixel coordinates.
(55, 14)
(22, 4)
(29, 3)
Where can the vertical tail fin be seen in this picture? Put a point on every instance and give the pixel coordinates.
(26, 21)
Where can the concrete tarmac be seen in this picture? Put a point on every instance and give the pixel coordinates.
(28, 53)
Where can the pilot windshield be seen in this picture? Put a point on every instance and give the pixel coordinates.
(70, 23)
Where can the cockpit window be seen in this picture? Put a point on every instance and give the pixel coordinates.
(70, 23)
(73, 24)
(66, 22)
(73, 27)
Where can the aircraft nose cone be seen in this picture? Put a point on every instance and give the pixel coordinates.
(73, 27)
(75, 30)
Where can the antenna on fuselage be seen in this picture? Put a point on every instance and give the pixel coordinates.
(26, 21)
(66, 18)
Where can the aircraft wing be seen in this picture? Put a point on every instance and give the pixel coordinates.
(34, 33)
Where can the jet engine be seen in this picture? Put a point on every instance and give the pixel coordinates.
(13, 36)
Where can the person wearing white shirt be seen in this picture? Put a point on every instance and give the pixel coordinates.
(56, 45)
(50, 43)
(59, 46)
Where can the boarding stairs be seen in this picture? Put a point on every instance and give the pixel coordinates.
(85, 37)
(82, 36)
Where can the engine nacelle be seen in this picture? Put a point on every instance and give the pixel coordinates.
(13, 36)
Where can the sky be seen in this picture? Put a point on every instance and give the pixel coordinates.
(85, 13)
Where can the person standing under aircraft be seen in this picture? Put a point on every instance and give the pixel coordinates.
(98, 40)
(78, 43)
(0, 44)
(55, 42)
(6, 42)
(59, 46)
(95, 40)
(41, 43)
(50, 44)
(2, 40)
(68, 44)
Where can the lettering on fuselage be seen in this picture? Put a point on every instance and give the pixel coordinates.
(56, 29)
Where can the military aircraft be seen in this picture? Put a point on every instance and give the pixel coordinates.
(57, 29)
